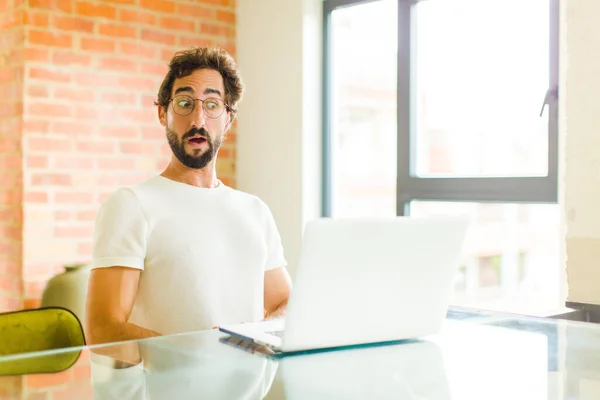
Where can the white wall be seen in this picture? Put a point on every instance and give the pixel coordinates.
(279, 125)
(580, 114)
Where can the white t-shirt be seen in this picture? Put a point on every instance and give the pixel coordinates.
(203, 252)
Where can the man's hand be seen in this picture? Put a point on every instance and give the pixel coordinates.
(278, 286)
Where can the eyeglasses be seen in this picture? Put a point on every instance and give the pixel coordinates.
(213, 107)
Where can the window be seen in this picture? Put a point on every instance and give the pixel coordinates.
(450, 106)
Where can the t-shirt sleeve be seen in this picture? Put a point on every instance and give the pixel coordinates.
(275, 254)
(120, 232)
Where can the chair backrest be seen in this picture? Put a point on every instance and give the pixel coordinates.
(38, 330)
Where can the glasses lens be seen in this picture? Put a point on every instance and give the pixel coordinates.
(183, 105)
(213, 107)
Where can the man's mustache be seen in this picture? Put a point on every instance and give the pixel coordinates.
(196, 131)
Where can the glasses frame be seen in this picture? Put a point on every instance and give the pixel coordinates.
(226, 108)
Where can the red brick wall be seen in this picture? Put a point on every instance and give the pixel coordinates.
(11, 172)
(92, 70)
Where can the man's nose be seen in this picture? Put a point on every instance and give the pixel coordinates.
(198, 116)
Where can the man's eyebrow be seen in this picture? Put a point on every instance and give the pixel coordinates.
(184, 89)
(212, 91)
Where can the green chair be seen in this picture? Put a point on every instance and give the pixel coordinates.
(30, 331)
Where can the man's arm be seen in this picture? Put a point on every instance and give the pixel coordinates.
(111, 294)
(278, 286)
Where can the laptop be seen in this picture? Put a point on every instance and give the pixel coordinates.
(365, 281)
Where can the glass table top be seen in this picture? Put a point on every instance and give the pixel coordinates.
(478, 355)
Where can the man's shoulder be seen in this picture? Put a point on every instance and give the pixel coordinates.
(134, 193)
(245, 198)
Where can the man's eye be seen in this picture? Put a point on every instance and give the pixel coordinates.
(184, 104)
(212, 105)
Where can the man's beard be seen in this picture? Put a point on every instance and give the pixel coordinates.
(193, 161)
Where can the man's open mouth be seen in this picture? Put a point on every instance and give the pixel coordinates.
(197, 139)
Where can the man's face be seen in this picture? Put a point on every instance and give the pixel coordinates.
(195, 138)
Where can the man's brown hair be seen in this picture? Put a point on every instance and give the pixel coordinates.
(185, 62)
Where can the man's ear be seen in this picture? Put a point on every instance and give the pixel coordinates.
(162, 115)
(229, 121)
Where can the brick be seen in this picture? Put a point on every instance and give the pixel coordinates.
(36, 126)
(121, 1)
(12, 266)
(35, 197)
(47, 380)
(138, 17)
(74, 163)
(11, 128)
(134, 179)
(9, 144)
(93, 79)
(10, 285)
(10, 162)
(159, 5)
(108, 180)
(86, 216)
(11, 232)
(73, 231)
(226, 16)
(76, 24)
(195, 11)
(41, 179)
(74, 94)
(119, 64)
(119, 98)
(49, 75)
(50, 39)
(98, 45)
(166, 54)
(139, 147)
(49, 109)
(52, 5)
(84, 392)
(73, 198)
(29, 304)
(82, 372)
(37, 19)
(187, 41)
(84, 112)
(11, 110)
(71, 58)
(127, 132)
(154, 69)
(12, 38)
(121, 31)
(48, 144)
(9, 304)
(95, 147)
(31, 54)
(153, 35)
(37, 162)
(177, 24)
(89, 9)
(116, 163)
(11, 20)
(215, 30)
(138, 84)
(138, 50)
(38, 91)
(34, 288)
(62, 215)
(71, 128)
(9, 75)
(141, 117)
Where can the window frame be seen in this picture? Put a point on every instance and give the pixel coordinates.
(543, 189)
